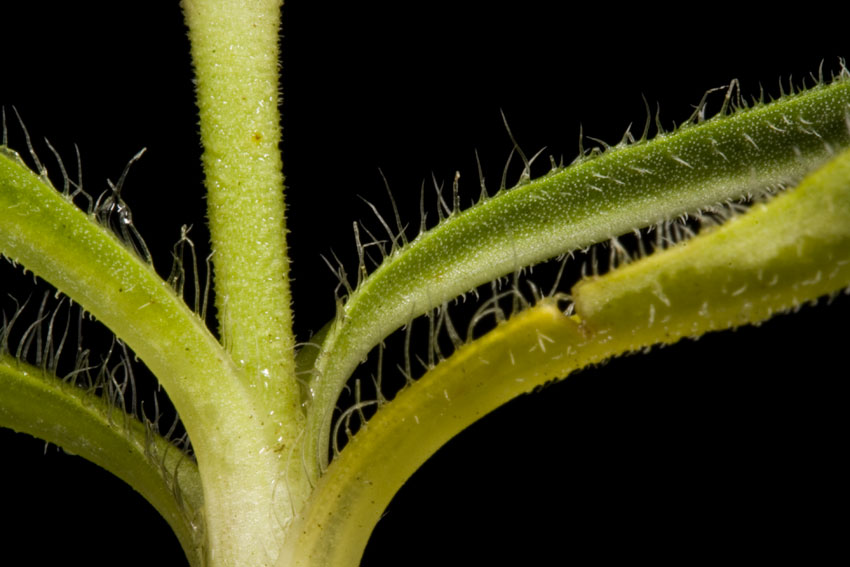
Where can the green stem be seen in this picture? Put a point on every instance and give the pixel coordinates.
(42, 405)
(235, 53)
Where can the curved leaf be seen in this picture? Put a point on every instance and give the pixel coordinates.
(46, 407)
(624, 189)
(41, 229)
(791, 250)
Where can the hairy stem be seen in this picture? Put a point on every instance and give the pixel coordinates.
(235, 52)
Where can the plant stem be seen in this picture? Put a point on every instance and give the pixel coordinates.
(235, 52)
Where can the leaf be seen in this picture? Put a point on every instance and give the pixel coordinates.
(628, 187)
(34, 402)
(791, 250)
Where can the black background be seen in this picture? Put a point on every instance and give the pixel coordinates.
(728, 444)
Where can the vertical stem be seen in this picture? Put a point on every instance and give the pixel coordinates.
(235, 52)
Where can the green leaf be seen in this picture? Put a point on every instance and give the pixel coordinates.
(791, 250)
(35, 402)
(42, 229)
(626, 188)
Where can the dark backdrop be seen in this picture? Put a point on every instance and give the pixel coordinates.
(730, 443)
